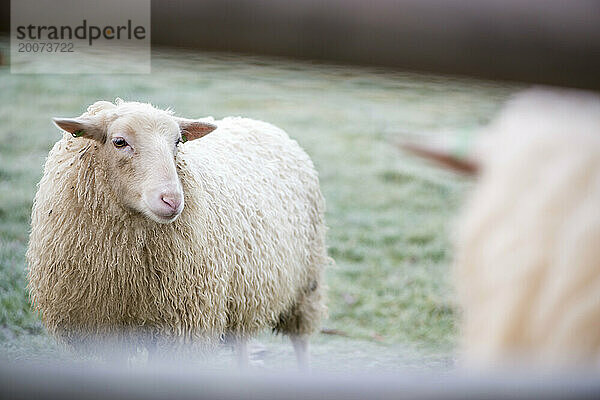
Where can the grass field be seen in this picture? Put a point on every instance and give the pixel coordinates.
(390, 215)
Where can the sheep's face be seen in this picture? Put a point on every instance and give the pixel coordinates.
(139, 147)
(141, 165)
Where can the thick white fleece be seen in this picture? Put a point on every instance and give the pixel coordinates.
(246, 253)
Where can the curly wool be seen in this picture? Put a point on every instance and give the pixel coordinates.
(528, 251)
(246, 253)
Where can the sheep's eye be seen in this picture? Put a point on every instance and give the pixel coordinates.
(177, 142)
(119, 142)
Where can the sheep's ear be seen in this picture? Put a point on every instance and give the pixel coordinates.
(79, 127)
(443, 157)
(192, 129)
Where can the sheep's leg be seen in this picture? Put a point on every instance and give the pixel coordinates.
(300, 343)
(117, 353)
(241, 350)
(152, 349)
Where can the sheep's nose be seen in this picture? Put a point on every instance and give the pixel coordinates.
(172, 200)
(164, 204)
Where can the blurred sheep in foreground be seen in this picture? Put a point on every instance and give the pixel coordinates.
(528, 249)
(527, 262)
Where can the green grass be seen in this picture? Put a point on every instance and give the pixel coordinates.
(390, 215)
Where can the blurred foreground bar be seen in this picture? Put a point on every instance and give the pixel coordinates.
(538, 41)
(19, 381)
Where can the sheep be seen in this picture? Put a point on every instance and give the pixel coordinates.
(527, 263)
(527, 254)
(143, 224)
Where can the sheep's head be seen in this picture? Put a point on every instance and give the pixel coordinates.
(139, 144)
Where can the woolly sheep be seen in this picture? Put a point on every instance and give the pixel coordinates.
(133, 230)
(528, 249)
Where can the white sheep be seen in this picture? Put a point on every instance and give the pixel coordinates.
(528, 248)
(134, 230)
(527, 263)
